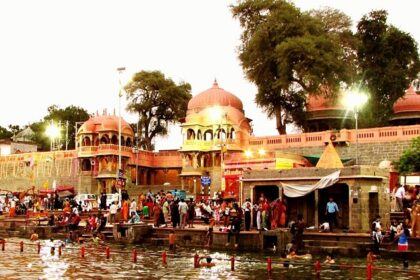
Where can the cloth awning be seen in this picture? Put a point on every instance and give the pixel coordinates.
(302, 190)
(64, 193)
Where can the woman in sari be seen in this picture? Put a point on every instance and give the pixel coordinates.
(125, 208)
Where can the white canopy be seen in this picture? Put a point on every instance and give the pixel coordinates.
(302, 190)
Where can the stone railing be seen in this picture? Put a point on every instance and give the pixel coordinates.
(369, 135)
(87, 150)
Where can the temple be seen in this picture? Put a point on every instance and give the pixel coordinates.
(220, 157)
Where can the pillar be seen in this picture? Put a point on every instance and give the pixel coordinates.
(316, 208)
(194, 160)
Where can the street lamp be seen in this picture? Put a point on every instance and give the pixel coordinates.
(119, 172)
(136, 150)
(217, 114)
(53, 132)
(76, 124)
(248, 154)
(354, 100)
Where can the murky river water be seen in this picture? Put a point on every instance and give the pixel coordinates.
(30, 265)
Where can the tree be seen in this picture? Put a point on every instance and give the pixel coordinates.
(388, 61)
(288, 54)
(5, 133)
(158, 101)
(70, 114)
(410, 160)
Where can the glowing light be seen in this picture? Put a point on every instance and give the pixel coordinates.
(354, 99)
(248, 154)
(216, 114)
(261, 152)
(52, 131)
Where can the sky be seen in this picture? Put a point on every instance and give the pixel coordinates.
(67, 52)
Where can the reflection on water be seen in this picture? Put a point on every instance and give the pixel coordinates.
(30, 265)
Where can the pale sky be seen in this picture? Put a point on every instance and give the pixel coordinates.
(66, 52)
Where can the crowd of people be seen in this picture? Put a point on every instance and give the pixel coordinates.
(168, 209)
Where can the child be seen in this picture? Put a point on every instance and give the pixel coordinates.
(393, 229)
(377, 239)
(324, 227)
(172, 239)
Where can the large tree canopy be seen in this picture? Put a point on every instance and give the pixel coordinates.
(287, 54)
(158, 101)
(410, 160)
(388, 61)
(70, 115)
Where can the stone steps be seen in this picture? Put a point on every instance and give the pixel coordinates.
(332, 243)
(335, 250)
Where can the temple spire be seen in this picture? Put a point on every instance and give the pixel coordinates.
(215, 84)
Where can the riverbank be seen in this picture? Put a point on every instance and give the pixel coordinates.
(338, 244)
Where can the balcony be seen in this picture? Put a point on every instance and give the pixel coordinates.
(198, 145)
(87, 151)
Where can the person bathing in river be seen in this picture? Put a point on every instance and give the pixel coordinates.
(329, 259)
(34, 236)
(208, 262)
(209, 235)
(285, 261)
(172, 240)
(96, 240)
(292, 255)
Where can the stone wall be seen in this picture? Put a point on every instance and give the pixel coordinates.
(19, 175)
(369, 153)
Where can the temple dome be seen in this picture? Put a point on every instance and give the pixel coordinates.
(320, 103)
(104, 123)
(214, 96)
(410, 102)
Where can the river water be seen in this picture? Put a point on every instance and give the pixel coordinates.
(31, 265)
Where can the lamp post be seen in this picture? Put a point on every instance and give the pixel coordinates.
(75, 134)
(53, 132)
(218, 115)
(354, 100)
(136, 150)
(119, 172)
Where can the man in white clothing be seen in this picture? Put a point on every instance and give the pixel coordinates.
(133, 208)
(113, 212)
(399, 195)
(183, 209)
